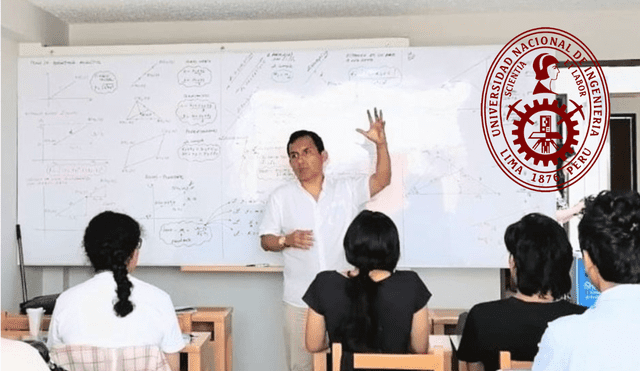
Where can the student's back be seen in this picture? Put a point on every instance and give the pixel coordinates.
(114, 309)
(541, 257)
(399, 296)
(606, 336)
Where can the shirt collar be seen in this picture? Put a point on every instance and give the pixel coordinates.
(622, 292)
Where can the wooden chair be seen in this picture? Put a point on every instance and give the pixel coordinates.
(432, 361)
(506, 363)
(90, 358)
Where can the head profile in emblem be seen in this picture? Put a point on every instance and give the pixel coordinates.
(545, 67)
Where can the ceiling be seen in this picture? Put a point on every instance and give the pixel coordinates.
(104, 11)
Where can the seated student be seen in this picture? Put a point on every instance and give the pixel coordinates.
(372, 308)
(114, 309)
(606, 336)
(540, 261)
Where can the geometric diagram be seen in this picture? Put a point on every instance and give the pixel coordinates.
(185, 233)
(194, 76)
(140, 111)
(79, 207)
(104, 82)
(139, 82)
(55, 96)
(143, 151)
(185, 197)
(196, 112)
(199, 152)
(379, 75)
(451, 179)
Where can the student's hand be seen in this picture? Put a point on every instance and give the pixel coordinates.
(302, 239)
(376, 132)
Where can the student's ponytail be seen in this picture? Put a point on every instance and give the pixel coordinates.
(360, 329)
(110, 241)
(123, 306)
(371, 242)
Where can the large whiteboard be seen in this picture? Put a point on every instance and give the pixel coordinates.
(191, 146)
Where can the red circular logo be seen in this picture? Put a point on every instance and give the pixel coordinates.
(545, 109)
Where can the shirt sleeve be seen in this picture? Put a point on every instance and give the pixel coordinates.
(550, 355)
(313, 295)
(172, 340)
(422, 294)
(468, 350)
(361, 191)
(53, 337)
(271, 223)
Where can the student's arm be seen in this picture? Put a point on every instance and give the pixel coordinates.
(316, 339)
(174, 360)
(298, 239)
(382, 177)
(420, 331)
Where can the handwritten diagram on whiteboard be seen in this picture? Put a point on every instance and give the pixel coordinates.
(192, 145)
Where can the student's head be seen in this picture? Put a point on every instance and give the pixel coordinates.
(544, 65)
(609, 233)
(111, 241)
(371, 242)
(541, 255)
(306, 155)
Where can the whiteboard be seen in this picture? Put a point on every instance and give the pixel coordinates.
(191, 145)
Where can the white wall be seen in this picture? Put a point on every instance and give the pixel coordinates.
(257, 325)
(21, 22)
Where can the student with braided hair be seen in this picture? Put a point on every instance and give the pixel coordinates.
(114, 309)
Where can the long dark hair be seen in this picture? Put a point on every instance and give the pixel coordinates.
(371, 242)
(109, 241)
(542, 254)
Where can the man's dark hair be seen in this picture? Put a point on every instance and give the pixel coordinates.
(542, 254)
(306, 133)
(610, 232)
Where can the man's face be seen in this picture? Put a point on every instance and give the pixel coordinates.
(306, 162)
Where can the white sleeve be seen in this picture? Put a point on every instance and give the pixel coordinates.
(551, 356)
(172, 340)
(271, 221)
(361, 191)
(53, 337)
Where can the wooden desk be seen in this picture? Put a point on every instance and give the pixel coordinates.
(444, 321)
(217, 321)
(199, 352)
(20, 322)
(443, 342)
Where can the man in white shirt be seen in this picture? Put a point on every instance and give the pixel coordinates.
(307, 220)
(606, 336)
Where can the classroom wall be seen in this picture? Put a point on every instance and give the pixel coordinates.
(21, 22)
(257, 325)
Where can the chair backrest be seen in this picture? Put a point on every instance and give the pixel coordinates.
(506, 363)
(90, 358)
(433, 361)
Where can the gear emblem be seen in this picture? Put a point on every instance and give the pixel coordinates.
(545, 138)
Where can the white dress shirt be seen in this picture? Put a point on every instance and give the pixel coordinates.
(605, 337)
(290, 207)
